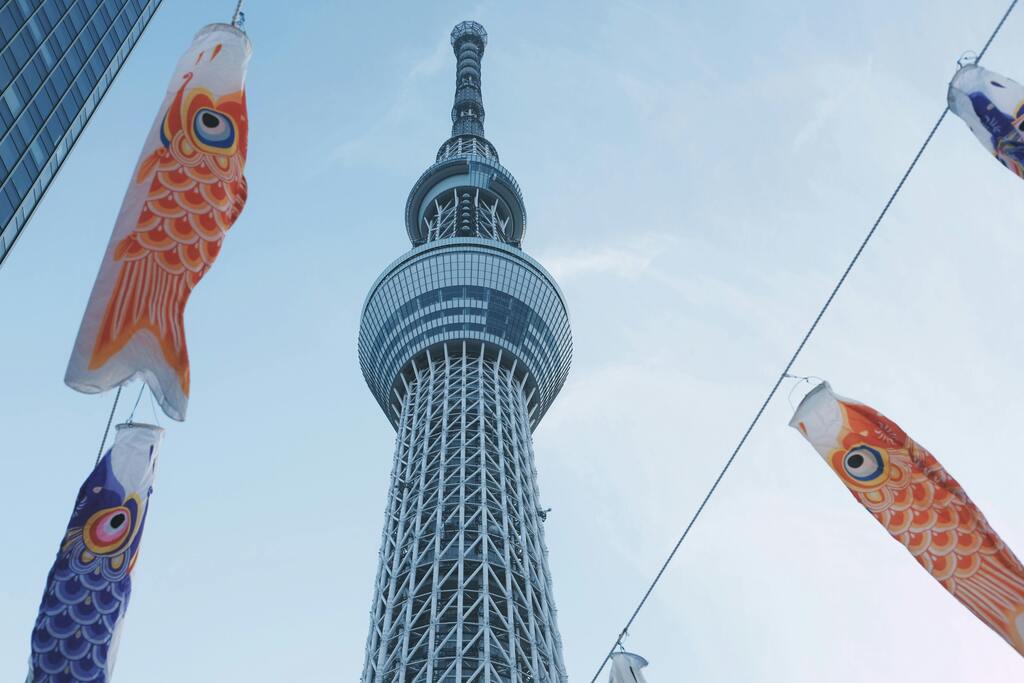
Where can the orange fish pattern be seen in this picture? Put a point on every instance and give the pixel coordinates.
(196, 193)
(909, 492)
(187, 192)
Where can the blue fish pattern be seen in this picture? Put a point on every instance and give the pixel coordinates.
(992, 105)
(87, 591)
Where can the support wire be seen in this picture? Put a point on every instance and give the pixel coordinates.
(110, 420)
(131, 416)
(792, 360)
(237, 15)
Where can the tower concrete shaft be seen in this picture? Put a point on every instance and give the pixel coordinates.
(465, 343)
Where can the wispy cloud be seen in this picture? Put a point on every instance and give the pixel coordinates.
(382, 139)
(437, 61)
(837, 85)
(621, 260)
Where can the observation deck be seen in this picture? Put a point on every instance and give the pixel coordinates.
(466, 280)
(489, 295)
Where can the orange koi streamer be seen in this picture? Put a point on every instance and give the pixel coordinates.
(920, 505)
(185, 194)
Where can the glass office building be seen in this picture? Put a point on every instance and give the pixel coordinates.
(465, 343)
(57, 59)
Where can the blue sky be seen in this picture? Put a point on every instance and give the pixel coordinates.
(697, 176)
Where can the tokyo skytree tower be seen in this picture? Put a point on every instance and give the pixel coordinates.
(464, 342)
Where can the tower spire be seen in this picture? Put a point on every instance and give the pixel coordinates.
(468, 41)
(466, 192)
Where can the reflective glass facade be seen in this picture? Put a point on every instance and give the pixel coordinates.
(466, 289)
(57, 59)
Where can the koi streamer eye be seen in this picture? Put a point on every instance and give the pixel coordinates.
(863, 463)
(107, 530)
(214, 129)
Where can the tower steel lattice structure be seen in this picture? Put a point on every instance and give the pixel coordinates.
(465, 343)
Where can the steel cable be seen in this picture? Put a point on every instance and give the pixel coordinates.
(792, 360)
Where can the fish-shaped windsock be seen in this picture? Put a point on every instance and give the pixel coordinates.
(186, 192)
(920, 505)
(993, 108)
(82, 610)
(627, 668)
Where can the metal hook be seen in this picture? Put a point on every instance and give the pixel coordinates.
(968, 57)
(802, 379)
(238, 18)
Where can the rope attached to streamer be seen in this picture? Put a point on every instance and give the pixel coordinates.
(110, 420)
(238, 19)
(152, 406)
(131, 416)
(785, 372)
